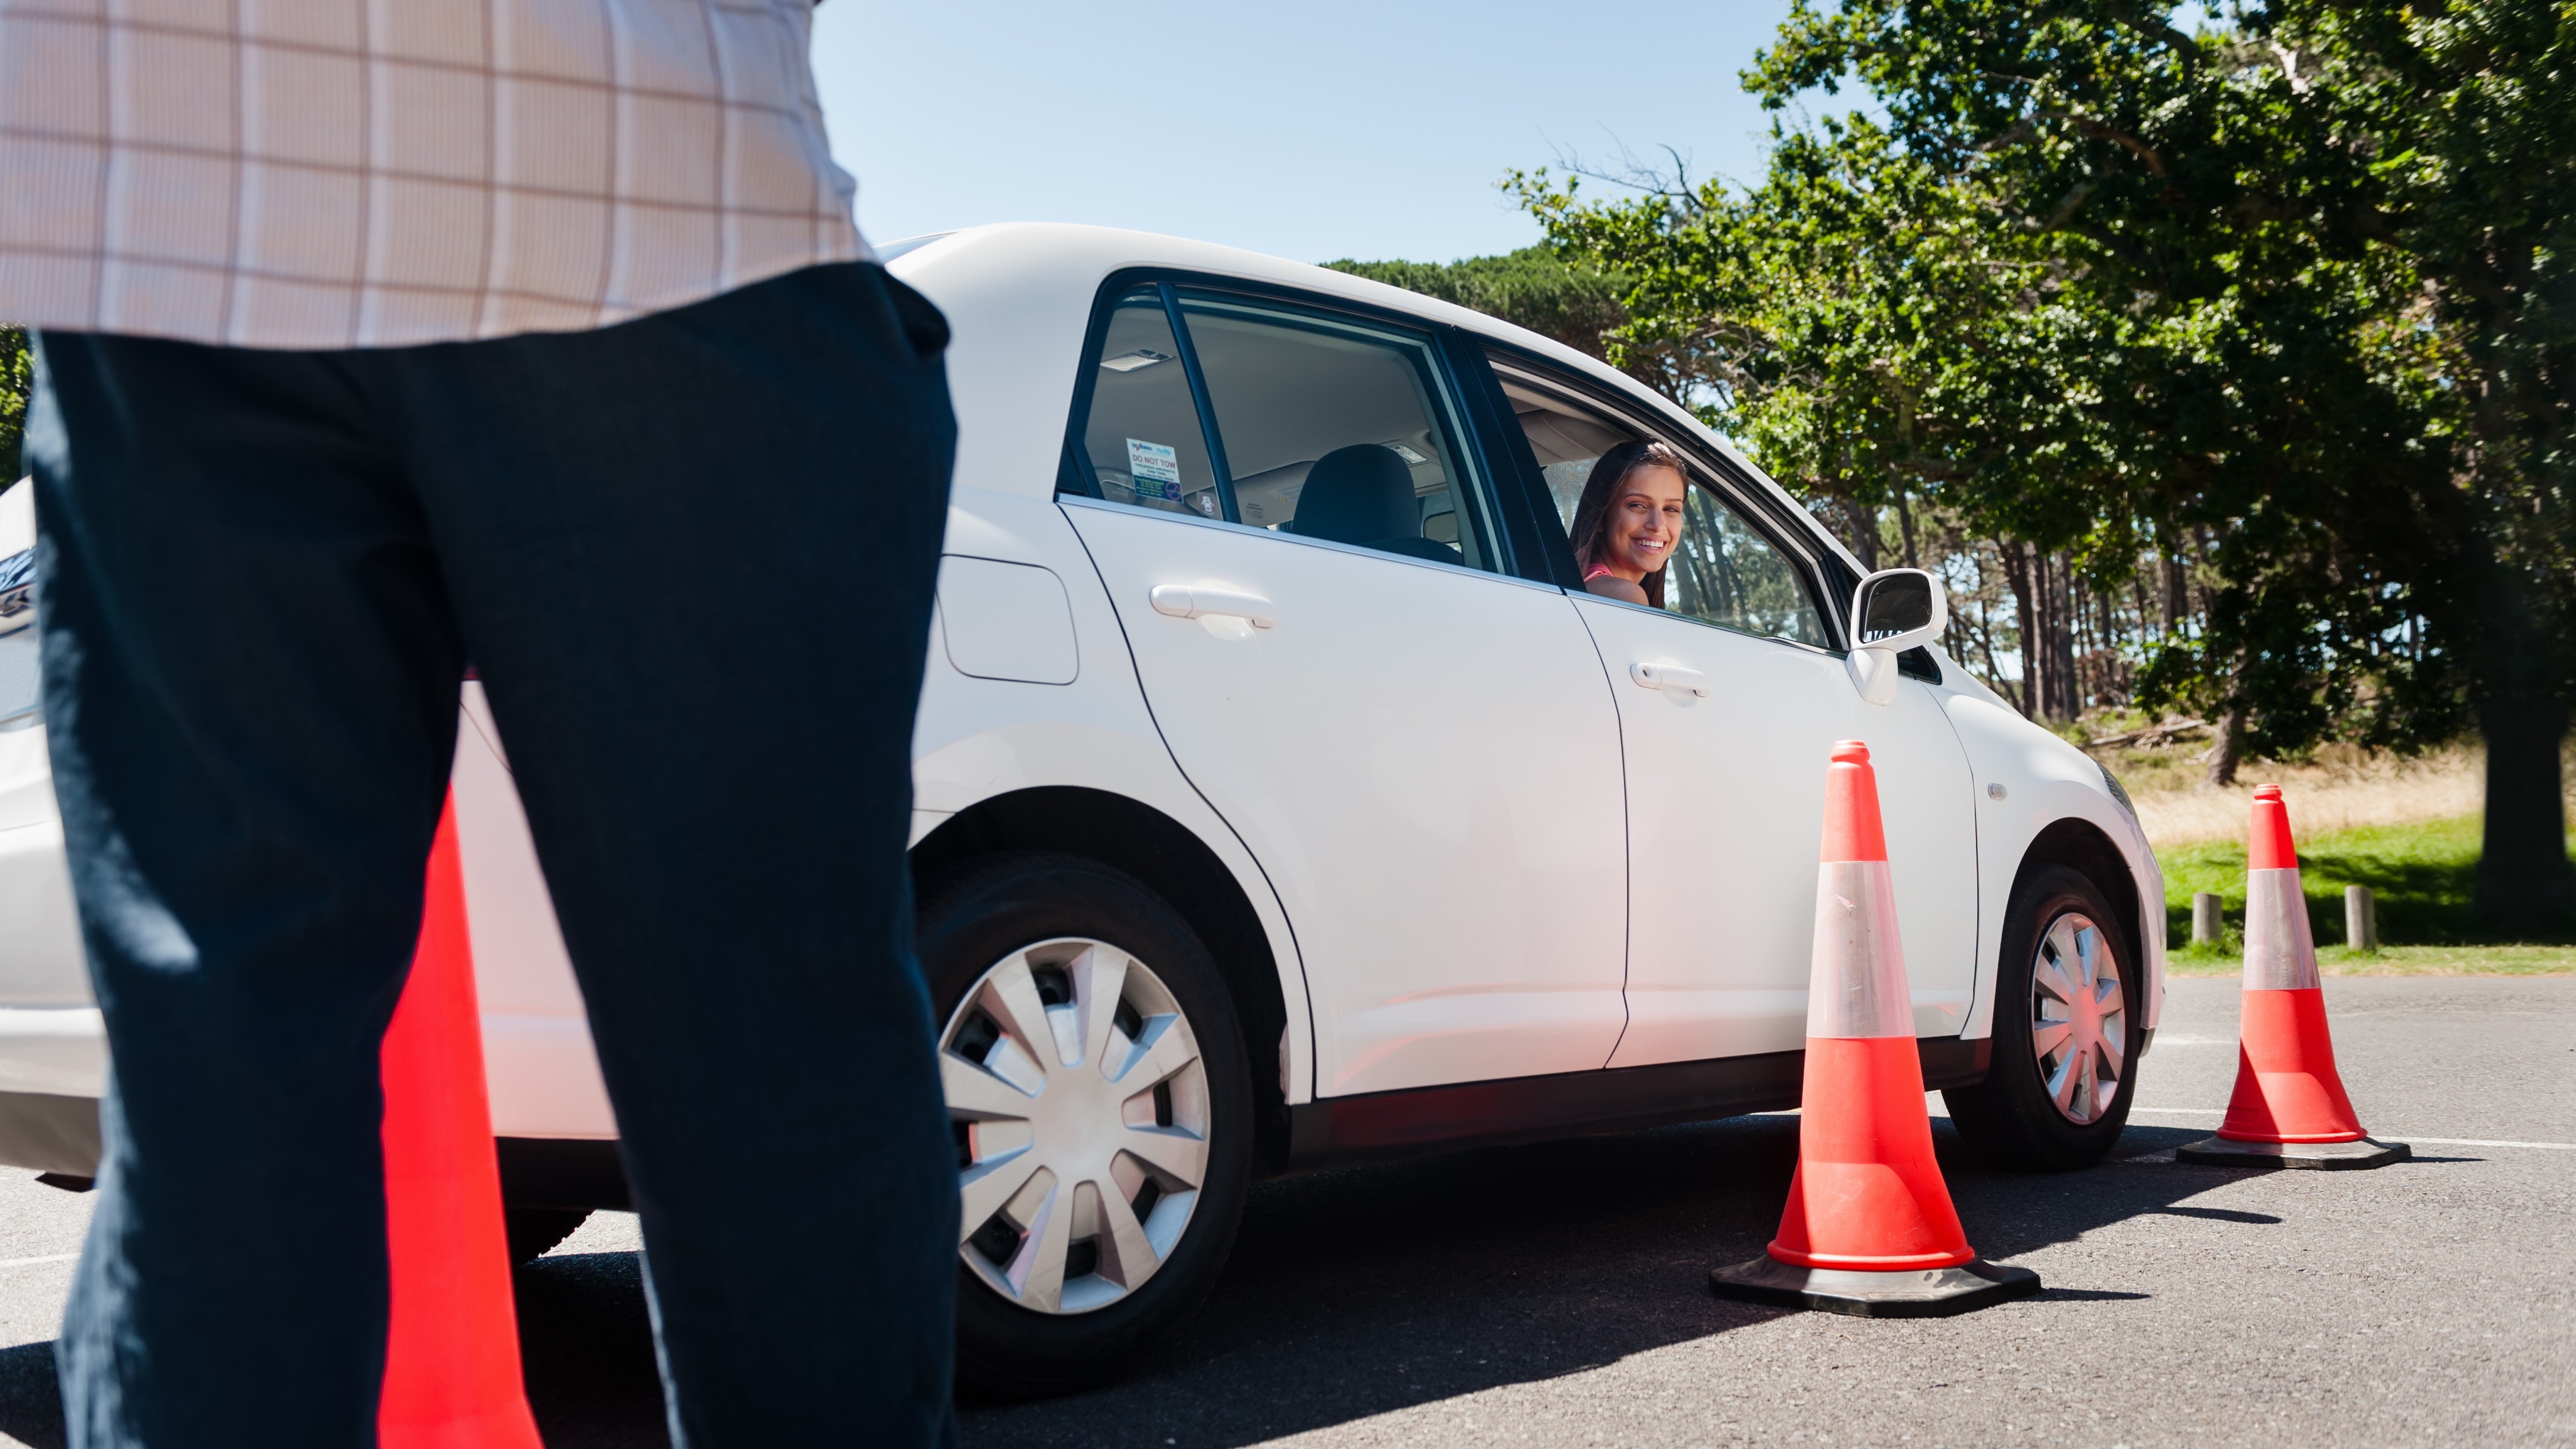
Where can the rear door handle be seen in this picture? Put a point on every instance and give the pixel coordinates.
(1198, 601)
(1669, 676)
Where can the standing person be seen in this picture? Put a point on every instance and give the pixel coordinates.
(381, 338)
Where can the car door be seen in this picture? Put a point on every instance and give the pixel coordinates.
(1420, 750)
(1729, 701)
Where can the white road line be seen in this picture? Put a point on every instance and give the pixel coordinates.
(2382, 1136)
(31, 1262)
(2479, 1142)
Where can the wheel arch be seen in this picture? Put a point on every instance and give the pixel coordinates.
(2081, 845)
(1167, 856)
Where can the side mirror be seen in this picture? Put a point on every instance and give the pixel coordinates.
(1893, 610)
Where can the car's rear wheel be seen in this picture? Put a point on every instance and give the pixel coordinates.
(1096, 1081)
(2066, 1035)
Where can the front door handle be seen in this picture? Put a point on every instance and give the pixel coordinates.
(1669, 676)
(1198, 601)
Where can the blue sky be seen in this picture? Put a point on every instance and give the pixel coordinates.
(1313, 131)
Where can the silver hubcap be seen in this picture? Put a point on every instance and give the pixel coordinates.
(2079, 1018)
(1081, 1111)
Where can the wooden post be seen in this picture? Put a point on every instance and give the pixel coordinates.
(2204, 918)
(2360, 919)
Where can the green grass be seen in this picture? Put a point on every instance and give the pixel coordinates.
(2397, 961)
(2421, 875)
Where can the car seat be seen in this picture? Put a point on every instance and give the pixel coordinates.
(1363, 495)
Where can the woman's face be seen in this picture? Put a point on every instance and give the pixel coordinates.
(1645, 522)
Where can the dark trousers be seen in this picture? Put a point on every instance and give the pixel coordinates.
(691, 558)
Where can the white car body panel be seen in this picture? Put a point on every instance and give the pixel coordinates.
(1425, 761)
(1725, 816)
(1032, 682)
(2045, 780)
(978, 738)
(60, 1051)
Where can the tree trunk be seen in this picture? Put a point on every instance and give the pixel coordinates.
(2227, 751)
(2016, 564)
(1864, 533)
(2053, 648)
(2047, 633)
(2070, 688)
(2525, 885)
(2039, 646)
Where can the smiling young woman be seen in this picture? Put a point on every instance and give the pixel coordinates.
(1629, 521)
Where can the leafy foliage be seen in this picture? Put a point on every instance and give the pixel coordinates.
(2284, 305)
(1572, 301)
(17, 382)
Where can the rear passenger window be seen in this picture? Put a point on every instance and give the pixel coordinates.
(1325, 427)
(1722, 572)
(1142, 443)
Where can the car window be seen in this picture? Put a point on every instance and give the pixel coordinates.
(1325, 427)
(1724, 571)
(1336, 430)
(1141, 442)
(21, 685)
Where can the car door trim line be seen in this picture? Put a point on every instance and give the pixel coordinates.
(1339, 1131)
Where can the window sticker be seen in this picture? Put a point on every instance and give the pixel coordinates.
(1157, 469)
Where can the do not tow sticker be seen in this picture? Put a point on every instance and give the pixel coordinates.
(1156, 468)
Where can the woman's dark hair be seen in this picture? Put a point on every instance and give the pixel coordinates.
(1592, 511)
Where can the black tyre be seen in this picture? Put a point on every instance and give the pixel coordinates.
(535, 1230)
(1097, 1083)
(2068, 1024)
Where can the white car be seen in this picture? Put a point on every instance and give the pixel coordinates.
(1284, 801)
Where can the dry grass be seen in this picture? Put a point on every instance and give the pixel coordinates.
(2339, 790)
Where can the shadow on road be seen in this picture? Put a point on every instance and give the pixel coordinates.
(1354, 1293)
(31, 1408)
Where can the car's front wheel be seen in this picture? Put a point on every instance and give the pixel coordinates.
(2066, 1036)
(1097, 1085)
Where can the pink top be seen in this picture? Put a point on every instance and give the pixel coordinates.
(1596, 571)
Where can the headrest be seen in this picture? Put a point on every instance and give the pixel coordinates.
(1359, 494)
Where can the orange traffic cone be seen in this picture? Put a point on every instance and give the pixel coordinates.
(1869, 1229)
(452, 1348)
(2289, 1109)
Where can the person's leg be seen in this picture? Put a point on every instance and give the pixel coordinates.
(250, 689)
(693, 558)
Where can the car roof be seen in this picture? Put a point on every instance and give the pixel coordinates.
(978, 271)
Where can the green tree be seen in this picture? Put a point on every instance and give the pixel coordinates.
(17, 381)
(2419, 158)
(2286, 301)
(1566, 300)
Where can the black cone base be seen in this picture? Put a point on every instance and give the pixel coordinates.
(2317, 1156)
(1913, 1293)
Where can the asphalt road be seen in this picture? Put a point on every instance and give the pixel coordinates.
(1556, 1294)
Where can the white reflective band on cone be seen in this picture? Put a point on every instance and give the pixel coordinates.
(1856, 984)
(2280, 949)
